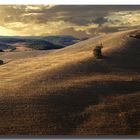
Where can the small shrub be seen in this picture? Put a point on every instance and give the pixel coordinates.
(1, 50)
(97, 52)
(1, 62)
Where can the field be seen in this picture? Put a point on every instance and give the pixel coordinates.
(69, 92)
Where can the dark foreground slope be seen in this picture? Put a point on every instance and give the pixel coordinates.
(69, 92)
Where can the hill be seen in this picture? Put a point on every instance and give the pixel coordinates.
(36, 42)
(62, 40)
(69, 92)
(4, 46)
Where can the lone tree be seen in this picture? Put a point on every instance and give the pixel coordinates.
(97, 51)
(1, 62)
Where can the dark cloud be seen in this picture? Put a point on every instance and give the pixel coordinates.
(100, 20)
(108, 29)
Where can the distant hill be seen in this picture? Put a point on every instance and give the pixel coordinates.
(42, 45)
(37, 42)
(4, 46)
(61, 40)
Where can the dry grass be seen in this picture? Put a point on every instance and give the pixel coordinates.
(67, 91)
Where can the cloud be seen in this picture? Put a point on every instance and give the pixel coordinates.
(6, 31)
(123, 19)
(79, 20)
(50, 27)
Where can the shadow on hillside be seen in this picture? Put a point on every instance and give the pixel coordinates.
(65, 107)
(125, 60)
(61, 112)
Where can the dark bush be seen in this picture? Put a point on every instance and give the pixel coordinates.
(1, 62)
(1, 50)
(97, 52)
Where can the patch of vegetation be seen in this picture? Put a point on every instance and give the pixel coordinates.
(1, 62)
(136, 35)
(4, 46)
(97, 52)
(1, 50)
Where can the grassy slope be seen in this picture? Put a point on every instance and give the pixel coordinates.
(69, 92)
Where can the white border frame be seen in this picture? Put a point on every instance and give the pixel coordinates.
(72, 2)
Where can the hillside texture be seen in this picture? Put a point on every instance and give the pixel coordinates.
(69, 92)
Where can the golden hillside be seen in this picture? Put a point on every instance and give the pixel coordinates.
(68, 91)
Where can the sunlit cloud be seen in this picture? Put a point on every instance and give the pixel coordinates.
(70, 20)
(50, 27)
(6, 31)
(16, 25)
(123, 19)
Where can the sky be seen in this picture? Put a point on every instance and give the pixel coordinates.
(76, 20)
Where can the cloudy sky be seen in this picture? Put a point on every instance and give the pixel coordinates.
(79, 21)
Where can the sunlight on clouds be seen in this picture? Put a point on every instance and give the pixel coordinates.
(6, 32)
(86, 27)
(38, 7)
(54, 19)
(17, 25)
(32, 7)
(53, 27)
(124, 18)
(50, 27)
(32, 14)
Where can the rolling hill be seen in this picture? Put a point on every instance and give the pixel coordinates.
(4, 46)
(69, 92)
(64, 40)
(35, 42)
